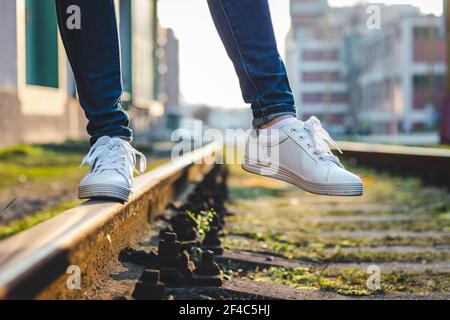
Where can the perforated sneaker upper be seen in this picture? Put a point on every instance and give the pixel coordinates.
(113, 156)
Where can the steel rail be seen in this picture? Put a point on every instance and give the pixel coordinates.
(432, 165)
(35, 262)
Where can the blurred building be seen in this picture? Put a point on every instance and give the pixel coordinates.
(138, 26)
(444, 115)
(37, 91)
(221, 118)
(168, 68)
(169, 78)
(230, 118)
(360, 79)
(402, 75)
(316, 65)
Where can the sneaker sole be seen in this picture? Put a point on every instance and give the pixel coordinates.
(327, 189)
(104, 191)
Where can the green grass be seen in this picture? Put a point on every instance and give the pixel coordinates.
(254, 193)
(43, 165)
(438, 146)
(352, 282)
(275, 219)
(329, 252)
(34, 155)
(153, 164)
(17, 226)
(347, 282)
(23, 163)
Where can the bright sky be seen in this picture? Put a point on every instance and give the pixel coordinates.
(206, 74)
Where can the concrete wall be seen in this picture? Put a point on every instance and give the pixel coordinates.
(16, 125)
(8, 46)
(16, 128)
(33, 114)
(9, 117)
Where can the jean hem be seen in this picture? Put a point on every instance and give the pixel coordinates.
(259, 121)
(94, 139)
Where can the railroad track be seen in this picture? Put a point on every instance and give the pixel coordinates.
(90, 237)
(148, 248)
(431, 165)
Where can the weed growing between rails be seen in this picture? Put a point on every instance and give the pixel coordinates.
(398, 226)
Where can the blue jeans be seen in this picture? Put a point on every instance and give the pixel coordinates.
(244, 26)
(93, 52)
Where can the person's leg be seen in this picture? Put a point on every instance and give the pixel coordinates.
(289, 150)
(246, 30)
(93, 52)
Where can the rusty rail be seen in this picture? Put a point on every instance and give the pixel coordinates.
(33, 264)
(432, 165)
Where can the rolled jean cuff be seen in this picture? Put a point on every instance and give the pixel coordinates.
(259, 121)
(127, 135)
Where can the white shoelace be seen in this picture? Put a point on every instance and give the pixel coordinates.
(115, 154)
(321, 140)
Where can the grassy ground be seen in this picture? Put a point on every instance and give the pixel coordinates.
(16, 226)
(439, 146)
(22, 164)
(39, 178)
(41, 181)
(353, 282)
(398, 221)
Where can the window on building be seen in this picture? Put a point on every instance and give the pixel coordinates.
(312, 76)
(333, 97)
(41, 43)
(320, 55)
(429, 32)
(125, 30)
(427, 90)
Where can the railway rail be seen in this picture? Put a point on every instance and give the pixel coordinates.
(431, 165)
(34, 263)
(114, 245)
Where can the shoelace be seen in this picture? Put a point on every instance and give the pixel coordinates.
(109, 156)
(321, 140)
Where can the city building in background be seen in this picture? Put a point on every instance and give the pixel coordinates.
(36, 88)
(169, 80)
(444, 115)
(138, 26)
(37, 91)
(232, 122)
(403, 66)
(361, 79)
(168, 68)
(315, 62)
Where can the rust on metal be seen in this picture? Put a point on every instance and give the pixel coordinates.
(208, 272)
(212, 241)
(173, 263)
(33, 264)
(149, 287)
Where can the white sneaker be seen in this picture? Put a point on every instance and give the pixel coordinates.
(112, 163)
(299, 154)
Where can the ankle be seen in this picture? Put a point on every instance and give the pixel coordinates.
(275, 120)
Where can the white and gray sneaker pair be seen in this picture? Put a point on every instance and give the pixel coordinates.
(112, 163)
(298, 153)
